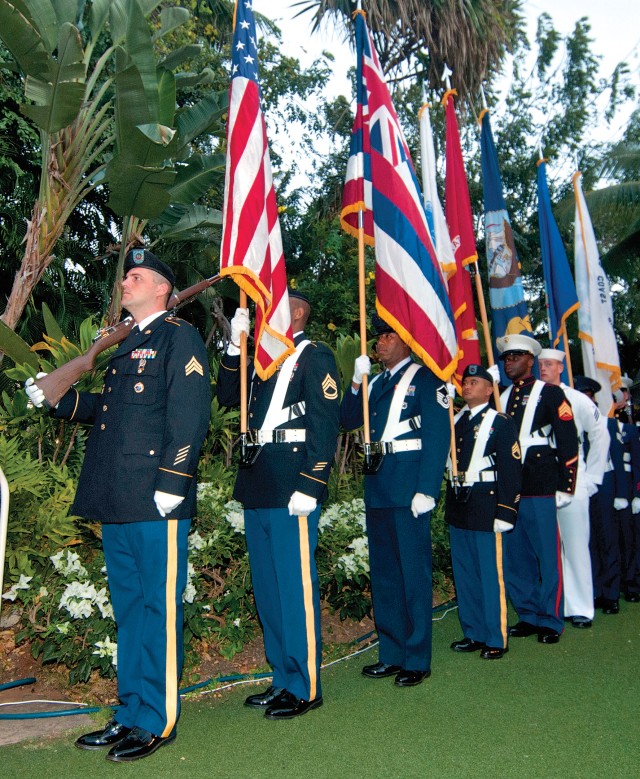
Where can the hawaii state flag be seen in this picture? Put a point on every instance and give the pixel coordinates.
(460, 222)
(251, 249)
(562, 299)
(509, 313)
(595, 315)
(411, 290)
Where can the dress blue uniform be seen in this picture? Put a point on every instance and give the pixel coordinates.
(534, 564)
(399, 543)
(477, 552)
(604, 541)
(282, 547)
(149, 423)
(630, 522)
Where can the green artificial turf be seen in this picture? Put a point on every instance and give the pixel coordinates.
(564, 710)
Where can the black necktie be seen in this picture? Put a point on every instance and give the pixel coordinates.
(385, 378)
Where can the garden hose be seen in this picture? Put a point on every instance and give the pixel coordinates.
(229, 681)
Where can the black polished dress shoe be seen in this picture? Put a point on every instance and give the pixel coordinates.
(581, 622)
(522, 630)
(610, 606)
(263, 700)
(380, 670)
(548, 636)
(599, 602)
(411, 678)
(466, 645)
(632, 597)
(138, 744)
(493, 652)
(288, 706)
(111, 734)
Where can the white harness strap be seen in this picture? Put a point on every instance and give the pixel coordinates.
(276, 414)
(394, 427)
(528, 439)
(478, 461)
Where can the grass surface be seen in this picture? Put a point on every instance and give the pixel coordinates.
(564, 710)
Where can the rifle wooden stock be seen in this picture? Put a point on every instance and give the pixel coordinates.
(57, 383)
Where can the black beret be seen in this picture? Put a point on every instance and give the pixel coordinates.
(586, 384)
(380, 326)
(295, 293)
(478, 371)
(143, 258)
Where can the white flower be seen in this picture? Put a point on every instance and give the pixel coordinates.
(348, 563)
(196, 541)
(21, 584)
(107, 648)
(236, 622)
(78, 599)
(190, 593)
(68, 563)
(63, 628)
(235, 515)
(43, 592)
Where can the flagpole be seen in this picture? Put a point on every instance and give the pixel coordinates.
(565, 343)
(485, 330)
(243, 370)
(363, 325)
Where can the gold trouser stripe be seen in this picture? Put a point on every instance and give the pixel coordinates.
(171, 659)
(503, 597)
(307, 591)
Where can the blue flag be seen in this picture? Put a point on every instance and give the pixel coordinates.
(509, 312)
(562, 299)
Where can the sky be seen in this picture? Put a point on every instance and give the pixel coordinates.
(614, 28)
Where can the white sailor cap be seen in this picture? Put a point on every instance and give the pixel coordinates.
(517, 343)
(552, 354)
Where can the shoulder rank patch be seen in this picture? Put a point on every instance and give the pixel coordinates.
(564, 411)
(329, 387)
(193, 366)
(515, 451)
(442, 396)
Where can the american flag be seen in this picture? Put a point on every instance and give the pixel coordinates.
(251, 251)
(410, 288)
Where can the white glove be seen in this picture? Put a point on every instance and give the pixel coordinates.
(495, 373)
(451, 391)
(590, 486)
(635, 506)
(166, 502)
(422, 504)
(620, 503)
(301, 505)
(499, 525)
(361, 367)
(239, 325)
(34, 393)
(563, 499)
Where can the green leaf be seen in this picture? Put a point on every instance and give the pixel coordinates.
(50, 323)
(201, 117)
(186, 80)
(171, 19)
(139, 47)
(181, 55)
(59, 99)
(43, 17)
(98, 16)
(68, 11)
(139, 191)
(24, 41)
(195, 219)
(16, 348)
(166, 86)
(195, 178)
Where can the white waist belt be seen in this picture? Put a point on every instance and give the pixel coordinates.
(278, 436)
(467, 478)
(627, 467)
(393, 447)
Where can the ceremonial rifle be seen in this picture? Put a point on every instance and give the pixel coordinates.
(57, 383)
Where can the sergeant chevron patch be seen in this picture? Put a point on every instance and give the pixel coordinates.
(182, 454)
(564, 411)
(329, 387)
(515, 451)
(193, 366)
(442, 396)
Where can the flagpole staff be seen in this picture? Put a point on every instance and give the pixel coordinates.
(243, 370)
(481, 301)
(363, 326)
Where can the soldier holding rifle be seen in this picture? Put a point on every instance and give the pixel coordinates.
(138, 479)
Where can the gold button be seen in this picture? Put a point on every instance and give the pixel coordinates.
(103, 427)
(113, 370)
(152, 451)
(109, 390)
(104, 408)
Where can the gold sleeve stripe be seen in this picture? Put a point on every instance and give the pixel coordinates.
(306, 475)
(504, 506)
(75, 408)
(231, 370)
(177, 473)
